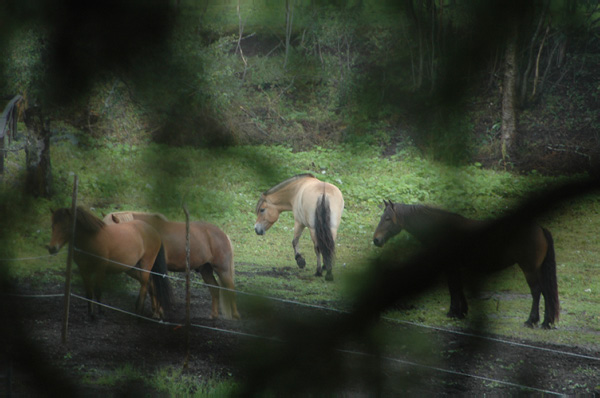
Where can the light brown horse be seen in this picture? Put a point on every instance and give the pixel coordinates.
(316, 204)
(210, 251)
(102, 249)
(528, 245)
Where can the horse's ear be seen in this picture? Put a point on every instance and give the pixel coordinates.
(115, 219)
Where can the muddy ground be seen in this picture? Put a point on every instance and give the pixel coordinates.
(36, 363)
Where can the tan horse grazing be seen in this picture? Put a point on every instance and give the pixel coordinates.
(530, 246)
(316, 204)
(210, 251)
(102, 249)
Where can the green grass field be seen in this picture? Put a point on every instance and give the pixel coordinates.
(222, 186)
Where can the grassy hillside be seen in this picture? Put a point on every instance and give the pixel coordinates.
(222, 185)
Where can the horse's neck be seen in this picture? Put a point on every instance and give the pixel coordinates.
(83, 236)
(412, 222)
(283, 199)
(425, 224)
(429, 225)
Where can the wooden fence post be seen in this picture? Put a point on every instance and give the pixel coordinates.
(187, 287)
(67, 298)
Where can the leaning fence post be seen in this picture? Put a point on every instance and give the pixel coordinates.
(187, 286)
(67, 298)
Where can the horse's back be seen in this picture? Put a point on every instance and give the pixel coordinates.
(308, 198)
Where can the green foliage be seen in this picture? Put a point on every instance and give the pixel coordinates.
(23, 65)
(173, 382)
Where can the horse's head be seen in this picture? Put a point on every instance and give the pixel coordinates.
(266, 215)
(390, 224)
(60, 230)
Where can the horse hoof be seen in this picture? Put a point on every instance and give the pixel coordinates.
(318, 273)
(300, 261)
(546, 326)
(455, 315)
(528, 324)
(329, 276)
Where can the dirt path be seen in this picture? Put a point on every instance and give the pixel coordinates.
(446, 364)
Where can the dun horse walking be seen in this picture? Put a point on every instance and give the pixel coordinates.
(102, 249)
(210, 251)
(316, 204)
(530, 246)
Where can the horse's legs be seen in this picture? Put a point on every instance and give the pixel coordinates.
(227, 282)
(157, 310)
(313, 236)
(533, 281)
(534, 315)
(458, 302)
(144, 279)
(88, 285)
(547, 314)
(209, 278)
(298, 229)
(98, 281)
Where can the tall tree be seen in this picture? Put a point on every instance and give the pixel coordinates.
(509, 115)
(289, 19)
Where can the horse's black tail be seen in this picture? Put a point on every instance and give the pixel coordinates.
(325, 241)
(162, 286)
(549, 281)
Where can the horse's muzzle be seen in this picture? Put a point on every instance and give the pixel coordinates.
(259, 229)
(378, 242)
(52, 249)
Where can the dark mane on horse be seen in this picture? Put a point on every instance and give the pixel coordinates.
(280, 186)
(85, 220)
(428, 211)
(287, 182)
(425, 210)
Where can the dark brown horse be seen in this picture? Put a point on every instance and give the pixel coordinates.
(530, 246)
(102, 249)
(210, 251)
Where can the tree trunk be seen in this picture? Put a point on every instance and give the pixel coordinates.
(289, 19)
(38, 180)
(509, 112)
